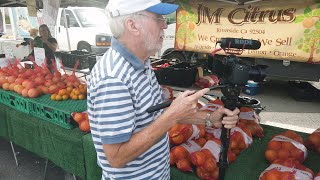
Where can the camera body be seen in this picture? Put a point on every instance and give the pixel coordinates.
(237, 73)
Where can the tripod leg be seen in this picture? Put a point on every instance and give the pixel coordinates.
(45, 169)
(14, 153)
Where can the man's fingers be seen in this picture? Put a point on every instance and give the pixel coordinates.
(229, 112)
(187, 93)
(199, 94)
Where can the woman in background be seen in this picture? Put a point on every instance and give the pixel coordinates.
(46, 41)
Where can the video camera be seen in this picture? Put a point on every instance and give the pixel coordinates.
(235, 71)
(235, 74)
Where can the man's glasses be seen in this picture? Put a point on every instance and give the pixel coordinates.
(162, 19)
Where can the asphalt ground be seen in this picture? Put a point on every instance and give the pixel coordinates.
(281, 110)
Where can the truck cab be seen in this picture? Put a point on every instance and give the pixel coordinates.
(87, 29)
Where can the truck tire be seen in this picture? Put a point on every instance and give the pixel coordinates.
(84, 47)
(174, 55)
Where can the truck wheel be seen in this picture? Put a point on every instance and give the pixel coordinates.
(174, 55)
(84, 47)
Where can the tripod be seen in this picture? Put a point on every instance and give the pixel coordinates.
(230, 100)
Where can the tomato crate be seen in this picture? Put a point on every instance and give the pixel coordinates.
(56, 112)
(14, 100)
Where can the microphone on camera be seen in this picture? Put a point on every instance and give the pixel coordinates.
(238, 43)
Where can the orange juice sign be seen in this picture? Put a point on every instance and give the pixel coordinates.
(287, 30)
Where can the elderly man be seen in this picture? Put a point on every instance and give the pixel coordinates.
(131, 143)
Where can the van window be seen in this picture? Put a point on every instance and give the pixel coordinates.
(72, 19)
(91, 17)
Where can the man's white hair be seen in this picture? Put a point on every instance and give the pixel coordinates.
(116, 24)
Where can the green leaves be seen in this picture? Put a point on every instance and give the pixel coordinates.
(308, 12)
(316, 12)
(317, 25)
(299, 18)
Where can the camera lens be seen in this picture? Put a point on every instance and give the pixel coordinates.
(258, 73)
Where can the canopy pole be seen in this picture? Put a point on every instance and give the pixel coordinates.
(66, 25)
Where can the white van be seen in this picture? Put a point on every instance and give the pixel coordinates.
(87, 29)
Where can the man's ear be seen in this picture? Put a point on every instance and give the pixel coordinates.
(133, 26)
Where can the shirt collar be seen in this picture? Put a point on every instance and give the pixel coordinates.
(129, 56)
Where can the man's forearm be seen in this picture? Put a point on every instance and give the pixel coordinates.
(121, 154)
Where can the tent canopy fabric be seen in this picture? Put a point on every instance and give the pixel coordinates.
(63, 3)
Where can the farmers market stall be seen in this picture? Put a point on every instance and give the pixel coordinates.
(73, 150)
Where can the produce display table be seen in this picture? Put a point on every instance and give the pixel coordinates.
(61, 146)
(73, 150)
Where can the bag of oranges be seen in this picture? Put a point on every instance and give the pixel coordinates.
(286, 145)
(82, 119)
(180, 133)
(179, 155)
(313, 141)
(287, 169)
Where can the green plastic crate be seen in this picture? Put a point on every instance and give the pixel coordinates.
(14, 100)
(57, 112)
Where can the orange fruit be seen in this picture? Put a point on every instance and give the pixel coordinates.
(86, 116)
(271, 155)
(210, 164)
(183, 12)
(69, 89)
(273, 174)
(84, 126)
(283, 154)
(314, 138)
(58, 97)
(65, 97)
(83, 91)
(78, 117)
(308, 22)
(274, 145)
(81, 97)
(76, 92)
(53, 97)
(287, 175)
(74, 97)
(287, 145)
(63, 92)
(192, 25)
(81, 86)
(198, 158)
(297, 154)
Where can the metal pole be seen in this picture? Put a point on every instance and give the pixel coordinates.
(14, 153)
(67, 27)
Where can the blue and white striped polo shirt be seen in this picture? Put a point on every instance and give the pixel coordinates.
(120, 90)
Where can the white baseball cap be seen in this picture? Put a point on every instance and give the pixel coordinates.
(123, 7)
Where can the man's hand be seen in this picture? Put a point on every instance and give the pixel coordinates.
(230, 119)
(185, 105)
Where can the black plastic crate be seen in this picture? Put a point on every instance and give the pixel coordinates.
(93, 60)
(83, 61)
(69, 59)
(303, 91)
(181, 74)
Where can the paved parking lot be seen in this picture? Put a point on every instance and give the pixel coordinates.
(281, 110)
